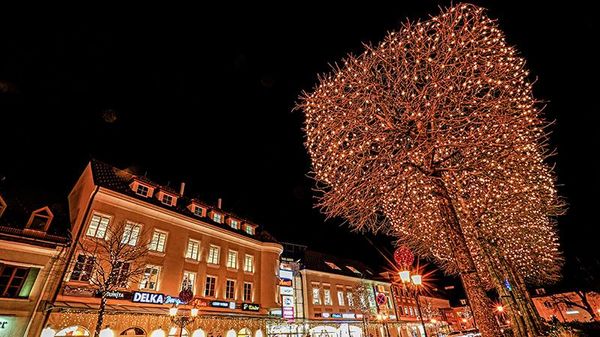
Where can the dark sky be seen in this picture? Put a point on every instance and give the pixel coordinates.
(206, 97)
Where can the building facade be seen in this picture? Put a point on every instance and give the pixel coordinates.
(229, 263)
(567, 306)
(30, 257)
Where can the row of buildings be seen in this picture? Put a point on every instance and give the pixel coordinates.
(240, 281)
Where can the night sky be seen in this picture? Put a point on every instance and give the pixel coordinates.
(206, 97)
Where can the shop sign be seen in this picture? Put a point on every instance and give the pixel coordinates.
(3, 324)
(325, 314)
(151, 298)
(78, 291)
(349, 315)
(336, 315)
(286, 290)
(275, 312)
(222, 304)
(288, 312)
(286, 274)
(285, 283)
(118, 295)
(250, 307)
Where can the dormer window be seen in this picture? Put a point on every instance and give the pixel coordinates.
(249, 229)
(40, 219)
(167, 200)
(217, 217)
(199, 211)
(332, 265)
(354, 270)
(142, 190)
(235, 224)
(2, 205)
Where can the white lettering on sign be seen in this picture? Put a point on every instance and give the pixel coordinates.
(286, 290)
(286, 274)
(151, 298)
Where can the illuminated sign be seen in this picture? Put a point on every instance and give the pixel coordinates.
(78, 291)
(349, 315)
(285, 283)
(275, 312)
(288, 312)
(336, 315)
(288, 301)
(221, 304)
(286, 290)
(359, 316)
(250, 307)
(325, 314)
(152, 298)
(119, 295)
(286, 274)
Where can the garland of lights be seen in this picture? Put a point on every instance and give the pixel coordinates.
(434, 136)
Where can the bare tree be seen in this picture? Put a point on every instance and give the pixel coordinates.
(115, 261)
(434, 136)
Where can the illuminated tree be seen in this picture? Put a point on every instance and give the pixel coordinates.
(434, 136)
(113, 262)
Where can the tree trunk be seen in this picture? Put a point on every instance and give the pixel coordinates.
(100, 314)
(478, 300)
(587, 304)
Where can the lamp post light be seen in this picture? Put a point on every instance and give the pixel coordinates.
(413, 283)
(185, 295)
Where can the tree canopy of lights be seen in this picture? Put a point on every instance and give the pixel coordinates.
(434, 136)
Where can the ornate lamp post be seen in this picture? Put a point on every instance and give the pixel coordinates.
(411, 283)
(185, 296)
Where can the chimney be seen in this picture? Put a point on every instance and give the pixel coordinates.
(181, 188)
(219, 201)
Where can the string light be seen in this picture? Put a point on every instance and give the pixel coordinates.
(434, 136)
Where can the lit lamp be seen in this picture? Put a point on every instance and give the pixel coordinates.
(186, 295)
(48, 332)
(416, 279)
(500, 308)
(405, 276)
(413, 283)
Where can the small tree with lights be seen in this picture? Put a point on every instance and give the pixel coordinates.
(434, 136)
(117, 261)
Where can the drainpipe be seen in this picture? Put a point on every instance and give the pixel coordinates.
(68, 260)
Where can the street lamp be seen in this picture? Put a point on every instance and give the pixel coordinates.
(412, 284)
(185, 295)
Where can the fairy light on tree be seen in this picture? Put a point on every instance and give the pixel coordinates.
(434, 136)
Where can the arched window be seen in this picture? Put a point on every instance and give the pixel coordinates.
(134, 332)
(231, 333)
(75, 330)
(175, 332)
(259, 333)
(199, 333)
(244, 332)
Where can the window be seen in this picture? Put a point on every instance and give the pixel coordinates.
(209, 290)
(131, 233)
(234, 224)
(84, 266)
(327, 297)
(354, 270)
(213, 254)
(16, 281)
(199, 211)
(40, 219)
(316, 295)
(249, 230)
(193, 247)
(218, 217)
(411, 311)
(249, 263)
(350, 299)
(232, 259)
(121, 274)
(98, 226)
(142, 190)
(230, 289)
(150, 278)
(167, 200)
(189, 280)
(159, 239)
(247, 292)
(340, 295)
(332, 265)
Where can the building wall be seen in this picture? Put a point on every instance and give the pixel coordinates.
(553, 306)
(18, 316)
(179, 228)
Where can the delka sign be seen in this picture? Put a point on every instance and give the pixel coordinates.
(152, 298)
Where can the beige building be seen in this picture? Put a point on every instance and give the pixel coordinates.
(230, 262)
(566, 307)
(29, 260)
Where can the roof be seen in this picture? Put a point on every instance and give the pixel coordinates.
(318, 261)
(20, 204)
(118, 180)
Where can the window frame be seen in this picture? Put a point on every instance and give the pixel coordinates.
(102, 216)
(187, 250)
(246, 256)
(195, 276)
(227, 289)
(209, 259)
(157, 283)
(316, 300)
(214, 286)
(251, 295)
(220, 216)
(165, 196)
(235, 260)
(160, 232)
(83, 271)
(130, 232)
(142, 186)
(12, 277)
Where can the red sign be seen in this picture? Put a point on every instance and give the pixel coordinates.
(285, 283)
